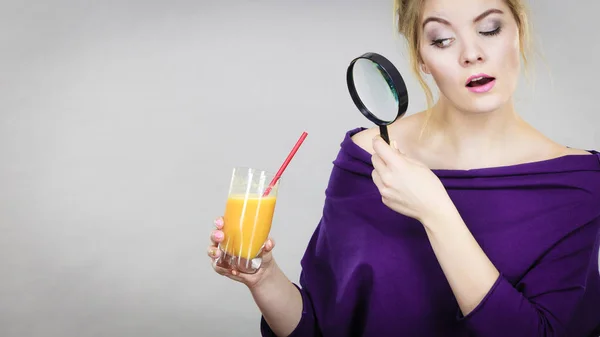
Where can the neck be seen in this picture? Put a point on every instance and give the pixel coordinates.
(469, 136)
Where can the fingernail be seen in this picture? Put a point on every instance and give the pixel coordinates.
(218, 222)
(219, 235)
(212, 252)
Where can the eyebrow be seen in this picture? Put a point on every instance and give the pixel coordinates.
(478, 18)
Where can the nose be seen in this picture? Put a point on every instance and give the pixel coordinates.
(471, 54)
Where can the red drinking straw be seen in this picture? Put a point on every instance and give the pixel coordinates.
(285, 163)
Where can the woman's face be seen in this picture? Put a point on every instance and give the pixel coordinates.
(466, 40)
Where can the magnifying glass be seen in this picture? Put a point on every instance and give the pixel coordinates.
(378, 90)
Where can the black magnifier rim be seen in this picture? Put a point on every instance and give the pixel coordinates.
(392, 73)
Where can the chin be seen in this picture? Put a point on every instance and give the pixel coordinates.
(482, 105)
(486, 105)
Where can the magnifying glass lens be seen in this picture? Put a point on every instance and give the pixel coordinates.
(377, 89)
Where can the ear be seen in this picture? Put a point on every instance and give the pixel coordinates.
(425, 69)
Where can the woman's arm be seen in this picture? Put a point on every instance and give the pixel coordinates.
(469, 272)
(279, 301)
(491, 306)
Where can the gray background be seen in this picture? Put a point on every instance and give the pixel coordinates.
(120, 122)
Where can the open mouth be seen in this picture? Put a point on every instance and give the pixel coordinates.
(479, 81)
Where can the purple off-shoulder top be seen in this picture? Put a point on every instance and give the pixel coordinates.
(369, 271)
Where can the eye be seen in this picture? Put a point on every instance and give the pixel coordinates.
(441, 43)
(492, 32)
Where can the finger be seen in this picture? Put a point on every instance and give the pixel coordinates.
(217, 236)
(383, 189)
(269, 245)
(230, 273)
(219, 222)
(213, 252)
(395, 147)
(234, 275)
(385, 174)
(403, 155)
(389, 155)
(220, 270)
(377, 180)
(378, 164)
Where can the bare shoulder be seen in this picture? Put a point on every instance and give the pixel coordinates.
(400, 131)
(542, 147)
(364, 138)
(559, 149)
(548, 149)
(573, 151)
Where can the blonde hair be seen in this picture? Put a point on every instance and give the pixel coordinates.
(407, 18)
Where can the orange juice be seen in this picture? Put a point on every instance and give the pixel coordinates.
(247, 224)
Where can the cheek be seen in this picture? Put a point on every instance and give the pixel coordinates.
(443, 69)
(446, 78)
(510, 53)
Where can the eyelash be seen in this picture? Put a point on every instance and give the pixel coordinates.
(438, 43)
(492, 32)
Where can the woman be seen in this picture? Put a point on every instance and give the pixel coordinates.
(477, 226)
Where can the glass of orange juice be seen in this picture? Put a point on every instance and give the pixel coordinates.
(247, 220)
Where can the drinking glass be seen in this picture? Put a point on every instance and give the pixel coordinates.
(247, 220)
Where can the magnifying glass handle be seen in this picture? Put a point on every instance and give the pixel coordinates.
(384, 133)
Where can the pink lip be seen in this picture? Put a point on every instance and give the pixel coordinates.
(476, 76)
(483, 88)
